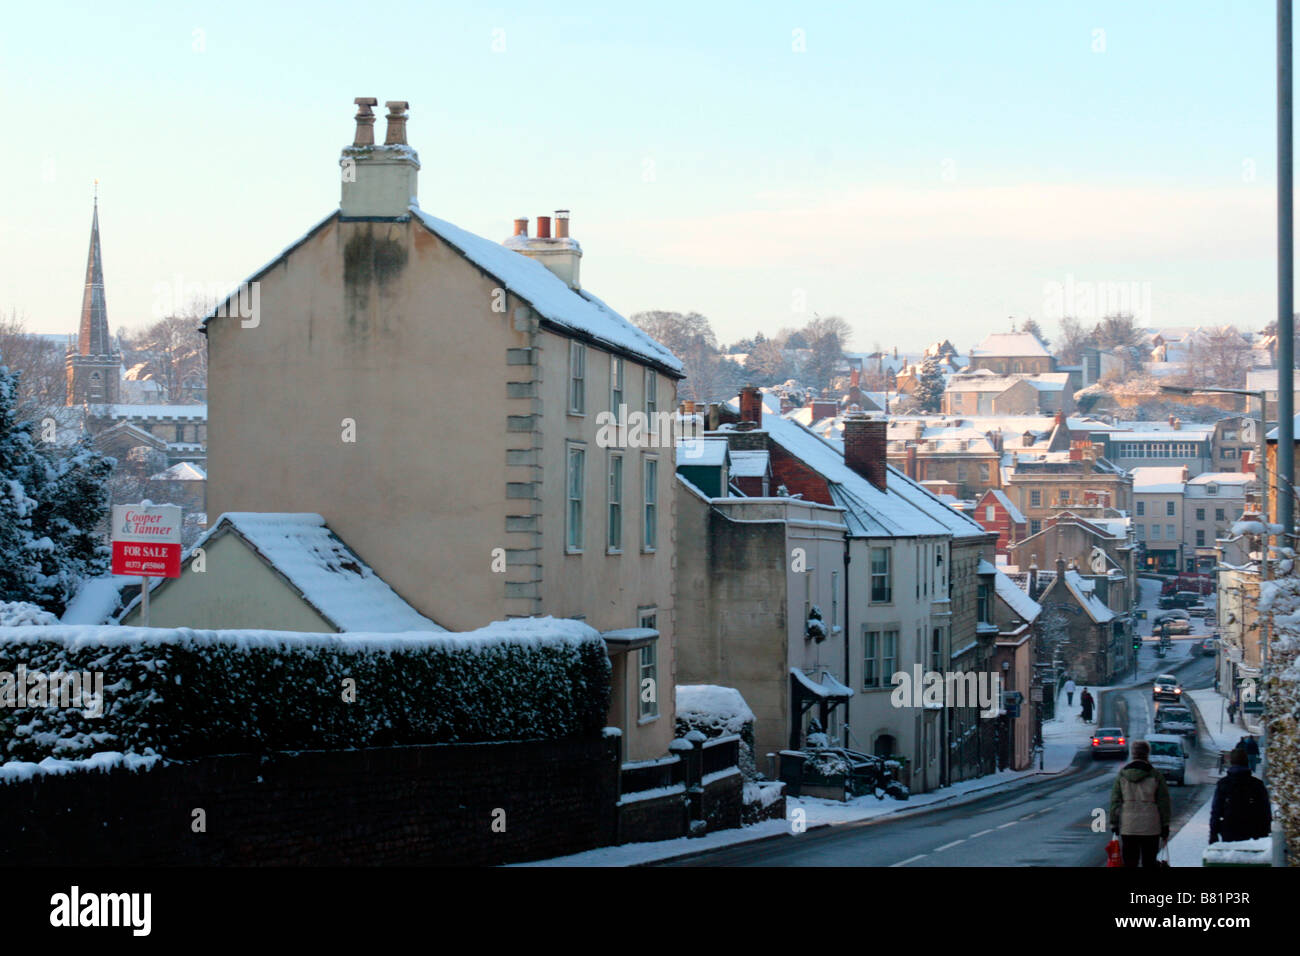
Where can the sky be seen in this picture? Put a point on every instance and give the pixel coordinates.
(925, 170)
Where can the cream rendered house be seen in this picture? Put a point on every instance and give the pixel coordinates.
(437, 398)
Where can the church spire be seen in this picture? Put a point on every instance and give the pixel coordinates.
(93, 337)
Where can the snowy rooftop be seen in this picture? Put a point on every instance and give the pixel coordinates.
(711, 452)
(176, 412)
(1085, 593)
(1222, 478)
(1015, 514)
(324, 570)
(1016, 598)
(1021, 344)
(1159, 480)
(904, 510)
(185, 471)
(578, 311)
(749, 464)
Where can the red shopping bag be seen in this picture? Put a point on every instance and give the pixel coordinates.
(1113, 855)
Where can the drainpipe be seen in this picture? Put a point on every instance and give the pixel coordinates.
(847, 673)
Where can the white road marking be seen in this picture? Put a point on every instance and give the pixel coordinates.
(1011, 824)
(949, 846)
(981, 833)
(910, 859)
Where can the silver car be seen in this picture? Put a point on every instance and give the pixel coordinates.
(1169, 756)
(1109, 741)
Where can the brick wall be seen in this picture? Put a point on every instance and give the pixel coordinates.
(383, 806)
(865, 448)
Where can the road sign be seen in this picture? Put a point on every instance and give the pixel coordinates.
(147, 540)
(1036, 694)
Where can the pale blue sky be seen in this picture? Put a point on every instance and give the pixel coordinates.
(923, 169)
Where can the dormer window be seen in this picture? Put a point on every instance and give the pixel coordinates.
(1211, 489)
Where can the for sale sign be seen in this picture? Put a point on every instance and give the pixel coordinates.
(147, 540)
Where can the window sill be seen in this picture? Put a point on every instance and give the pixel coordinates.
(642, 721)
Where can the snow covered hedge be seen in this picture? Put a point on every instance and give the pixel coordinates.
(183, 693)
(716, 711)
(1280, 600)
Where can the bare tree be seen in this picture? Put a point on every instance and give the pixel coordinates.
(1074, 339)
(174, 354)
(1218, 357)
(40, 364)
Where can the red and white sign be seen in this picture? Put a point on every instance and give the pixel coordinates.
(147, 540)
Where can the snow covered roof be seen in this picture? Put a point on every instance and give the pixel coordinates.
(1015, 514)
(905, 509)
(710, 452)
(1222, 478)
(1015, 597)
(1020, 344)
(1159, 480)
(982, 381)
(174, 412)
(550, 296)
(749, 464)
(1085, 593)
(184, 471)
(828, 687)
(1295, 430)
(325, 571)
(1190, 433)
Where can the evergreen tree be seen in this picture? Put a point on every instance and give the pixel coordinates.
(929, 386)
(51, 509)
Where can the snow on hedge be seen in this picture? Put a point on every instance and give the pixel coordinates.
(1280, 600)
(718, 708)
(20, 613)
(181, 693)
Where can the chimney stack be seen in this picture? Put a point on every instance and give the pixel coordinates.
(560, 254)
(379, 182)
(751, 405)
(865, 448)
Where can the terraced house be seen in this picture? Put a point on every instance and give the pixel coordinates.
(437, 398)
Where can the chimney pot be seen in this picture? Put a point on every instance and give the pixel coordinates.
(396, 122)
(543, 227)
(521, 227)
(561, 224)
(365, 135)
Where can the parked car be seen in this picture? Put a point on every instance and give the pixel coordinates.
(1176, 614)
(1178, 625)
(1169, 756)
(1176, 719)
(1109, 741)
(1200, 610)
(1167, 687)
(1182, 599)
(1209, 646)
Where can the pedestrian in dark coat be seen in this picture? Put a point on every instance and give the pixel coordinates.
(1240, 810)
(1140, 808)
(1232, 711)
(1085, 706)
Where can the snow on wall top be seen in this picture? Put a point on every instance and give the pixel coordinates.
(1159, 480)
(179, 412)
(550, 296)
(330, 577)
(749, 464)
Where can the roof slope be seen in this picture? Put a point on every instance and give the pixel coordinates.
(1020, 344)
(1016, 598)
(904, 510)
(325, 571)
(1014, 513)
(1085, 593)
(578, 312)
